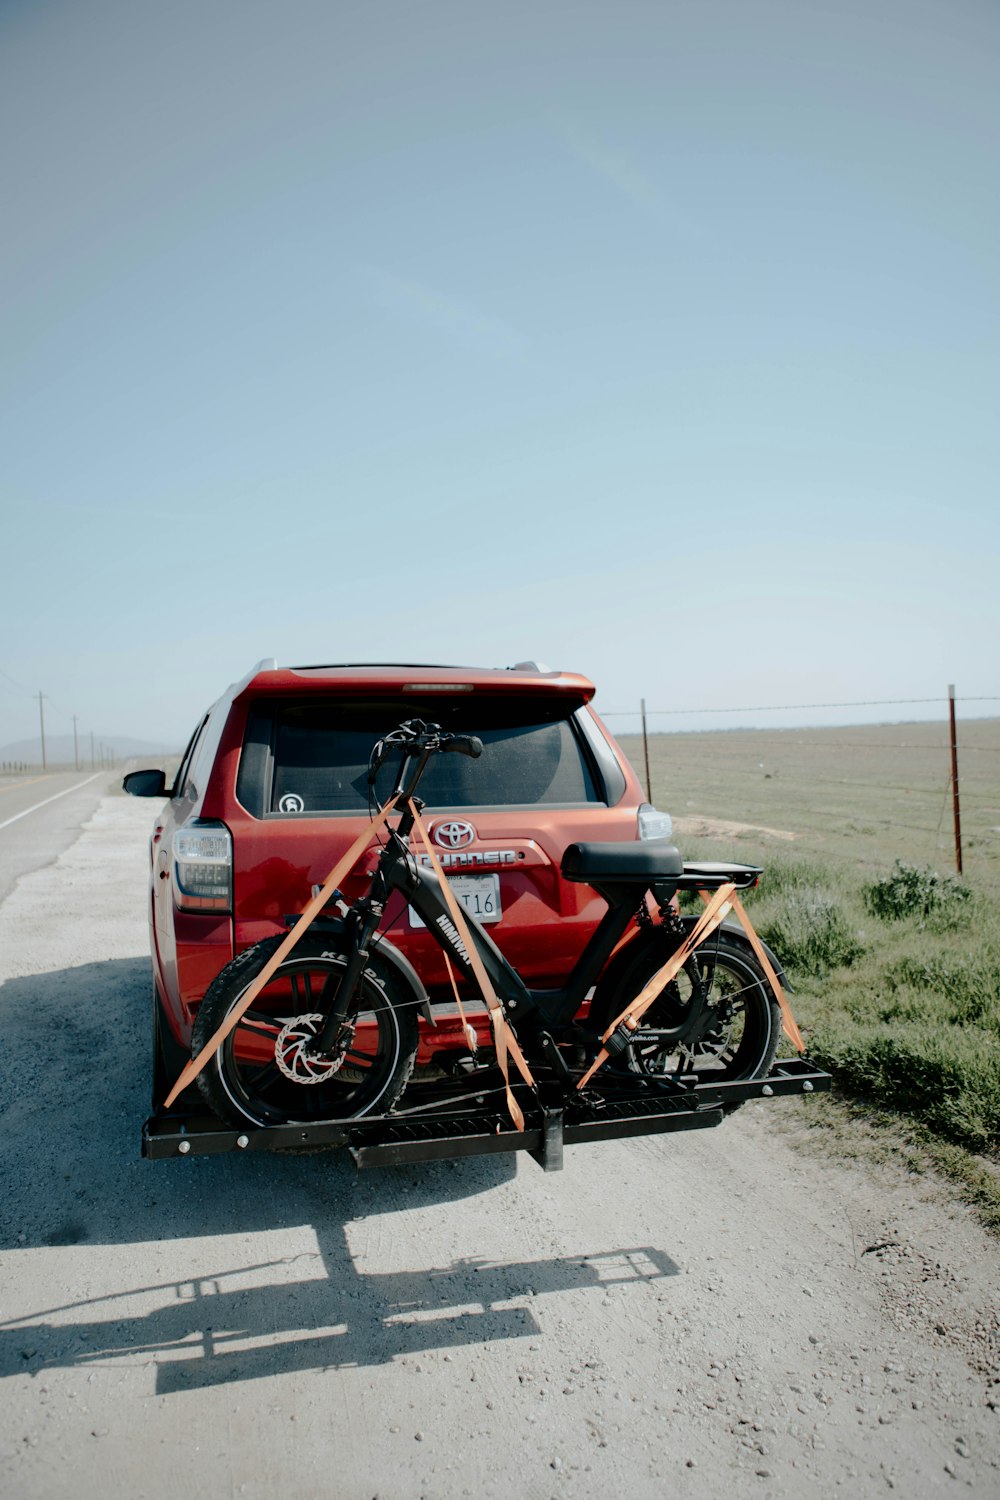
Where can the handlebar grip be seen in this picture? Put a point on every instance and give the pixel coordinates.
(464, 744)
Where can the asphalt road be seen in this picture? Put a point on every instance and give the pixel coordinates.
(726, 1312)
(41, 814)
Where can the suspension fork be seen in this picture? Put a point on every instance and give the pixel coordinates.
(361, 924)
(360, 928)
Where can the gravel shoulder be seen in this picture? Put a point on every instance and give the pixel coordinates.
(723, 1310)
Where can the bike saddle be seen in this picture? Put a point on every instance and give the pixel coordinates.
(652, 859)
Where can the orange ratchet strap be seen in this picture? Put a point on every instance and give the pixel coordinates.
(717, 907)
(788, 1025)
(471, 1039)
(336, 875)
(504, 1038)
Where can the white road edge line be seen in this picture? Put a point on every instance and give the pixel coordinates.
(65, 792)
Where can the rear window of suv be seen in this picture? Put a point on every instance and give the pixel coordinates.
(312, 758)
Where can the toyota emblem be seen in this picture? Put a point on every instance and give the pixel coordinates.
(454, 834)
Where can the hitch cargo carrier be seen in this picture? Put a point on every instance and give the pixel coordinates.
(466, 1116)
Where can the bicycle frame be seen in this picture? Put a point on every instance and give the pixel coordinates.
(556, 1007)
(399, 870)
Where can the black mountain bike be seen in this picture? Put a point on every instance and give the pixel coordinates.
(332, 1033)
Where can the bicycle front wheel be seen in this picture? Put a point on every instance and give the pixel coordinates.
(265, 1071)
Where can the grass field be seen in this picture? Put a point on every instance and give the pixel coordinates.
(862, 796)
(895, 961)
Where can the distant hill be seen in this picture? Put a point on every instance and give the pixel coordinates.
(59, 750)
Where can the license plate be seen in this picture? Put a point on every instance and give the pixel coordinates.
(479, 894)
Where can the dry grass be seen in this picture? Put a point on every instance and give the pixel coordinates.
(863, 796)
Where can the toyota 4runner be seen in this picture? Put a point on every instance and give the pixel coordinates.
(272, 789)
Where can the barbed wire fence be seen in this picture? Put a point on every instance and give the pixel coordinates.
(877, 783)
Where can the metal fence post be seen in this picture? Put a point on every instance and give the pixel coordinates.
(645, 751)
(954, 778)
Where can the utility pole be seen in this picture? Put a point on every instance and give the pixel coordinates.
(76, 747)
(41, 720)
(91, 749)
(954, 778)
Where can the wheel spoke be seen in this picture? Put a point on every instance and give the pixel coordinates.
(308, 1104)
(255, 1020)
(260, 1089)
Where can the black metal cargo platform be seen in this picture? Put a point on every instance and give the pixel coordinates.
(468, 1117)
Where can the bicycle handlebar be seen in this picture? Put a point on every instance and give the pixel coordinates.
(462, 744)
(417, 740)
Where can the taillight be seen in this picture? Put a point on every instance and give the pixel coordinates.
(203, 867)
(653, 824)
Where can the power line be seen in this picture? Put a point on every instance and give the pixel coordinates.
(19, 685)
(882, 745)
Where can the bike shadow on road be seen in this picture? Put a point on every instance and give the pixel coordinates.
(75, 1086)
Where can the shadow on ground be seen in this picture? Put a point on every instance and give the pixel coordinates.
(75, 1087)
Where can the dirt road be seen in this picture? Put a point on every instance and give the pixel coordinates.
(717, 1313)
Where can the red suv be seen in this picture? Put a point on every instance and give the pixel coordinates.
(272, 789)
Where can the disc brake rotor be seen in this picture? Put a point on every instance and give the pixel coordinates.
(717, 1038)
(292, 1054)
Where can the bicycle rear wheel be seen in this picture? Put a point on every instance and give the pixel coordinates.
(743, 1038)
(264, 1071)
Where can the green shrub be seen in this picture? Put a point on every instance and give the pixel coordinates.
(910, 891)
(948, 1077)
(892, 1004)
(784, 877)
(965, 987)
(810, 932)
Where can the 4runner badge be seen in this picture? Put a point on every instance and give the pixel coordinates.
(453, 834)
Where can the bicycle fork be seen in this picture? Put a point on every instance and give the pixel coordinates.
(360, 927)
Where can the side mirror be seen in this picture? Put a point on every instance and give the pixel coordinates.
(145, 784)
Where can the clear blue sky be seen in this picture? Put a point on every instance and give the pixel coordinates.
(657, 341)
